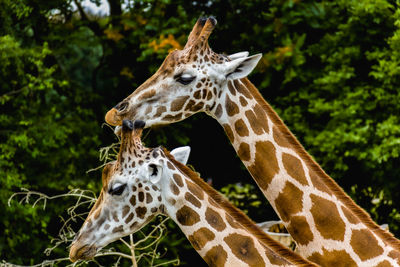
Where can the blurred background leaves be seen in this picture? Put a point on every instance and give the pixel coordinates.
(329, 68)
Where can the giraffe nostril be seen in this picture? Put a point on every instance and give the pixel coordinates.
(121, 106)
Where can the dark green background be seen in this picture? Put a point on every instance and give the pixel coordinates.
(331, 69)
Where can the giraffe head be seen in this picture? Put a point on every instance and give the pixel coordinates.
(131, 194)
(189, 81)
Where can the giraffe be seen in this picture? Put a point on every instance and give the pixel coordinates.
(144, 182)
(328, 227)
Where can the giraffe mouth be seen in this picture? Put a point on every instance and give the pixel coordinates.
(84, 252)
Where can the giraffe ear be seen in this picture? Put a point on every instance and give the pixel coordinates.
(154, 173)
(238, 55)
(181, 154)
(241, 67)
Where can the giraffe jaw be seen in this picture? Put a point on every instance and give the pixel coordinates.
(84, 252)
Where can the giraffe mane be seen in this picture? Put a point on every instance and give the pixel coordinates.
(360, 213)
(239, 216)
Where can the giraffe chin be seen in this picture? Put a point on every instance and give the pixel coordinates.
(84, 252)
(112, 118)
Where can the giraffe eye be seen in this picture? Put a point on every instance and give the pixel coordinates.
(121, 106)
(117, 189)
(185, 79)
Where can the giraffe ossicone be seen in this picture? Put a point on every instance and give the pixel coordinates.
(328, 227)
(144, 182)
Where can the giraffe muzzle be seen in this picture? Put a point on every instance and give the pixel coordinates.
(84, 252)
(112, 117)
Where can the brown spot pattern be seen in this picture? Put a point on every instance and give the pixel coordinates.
(241, 128)
(129, 218)
(289, 201)
(147, 95)
(215, 220)
(148, 109)
(141, 211)
(294, 168)
(132, 200)
(232, 222)
(174, 189)
(230, 107)
(197, 93)
(349, 216)
(160, 110)
(115, 216)
(254, 123)
(192, 199)
(195, 190)
(200, 238)
(365, 244)
(265, 165)
(187, 216)
(244, 152)
(318, 183)
(231, 89)
(261, 117)
(125, 210)
(170, 165)
(173, 117)
(216, 256)
(302, 232)
(97, 214)
(243, 101)
(118, 229)
(384, 263)
(333, 258)
(149, 198)
(171, 201)
(178, 179)
(279, 138)
(244, 249)
(178, 103)
(242, 89)
(327, 218)
(141, 196)
(218, 111)
(190, 104)
(229, 132)
(274, 258)
(197, 107)
(395, 255)
(153, 209)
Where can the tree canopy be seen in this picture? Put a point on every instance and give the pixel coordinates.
(331, 69)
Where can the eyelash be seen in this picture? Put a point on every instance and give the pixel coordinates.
(118, 190)
(184, 80)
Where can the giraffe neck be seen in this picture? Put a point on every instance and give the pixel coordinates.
(315, 210)
(220, 233)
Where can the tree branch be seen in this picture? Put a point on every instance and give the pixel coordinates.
(115, 7)
(81, 11)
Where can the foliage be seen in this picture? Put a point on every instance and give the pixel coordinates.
(247, 198)
(342, 100)
(144, 251)
(330, 68)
